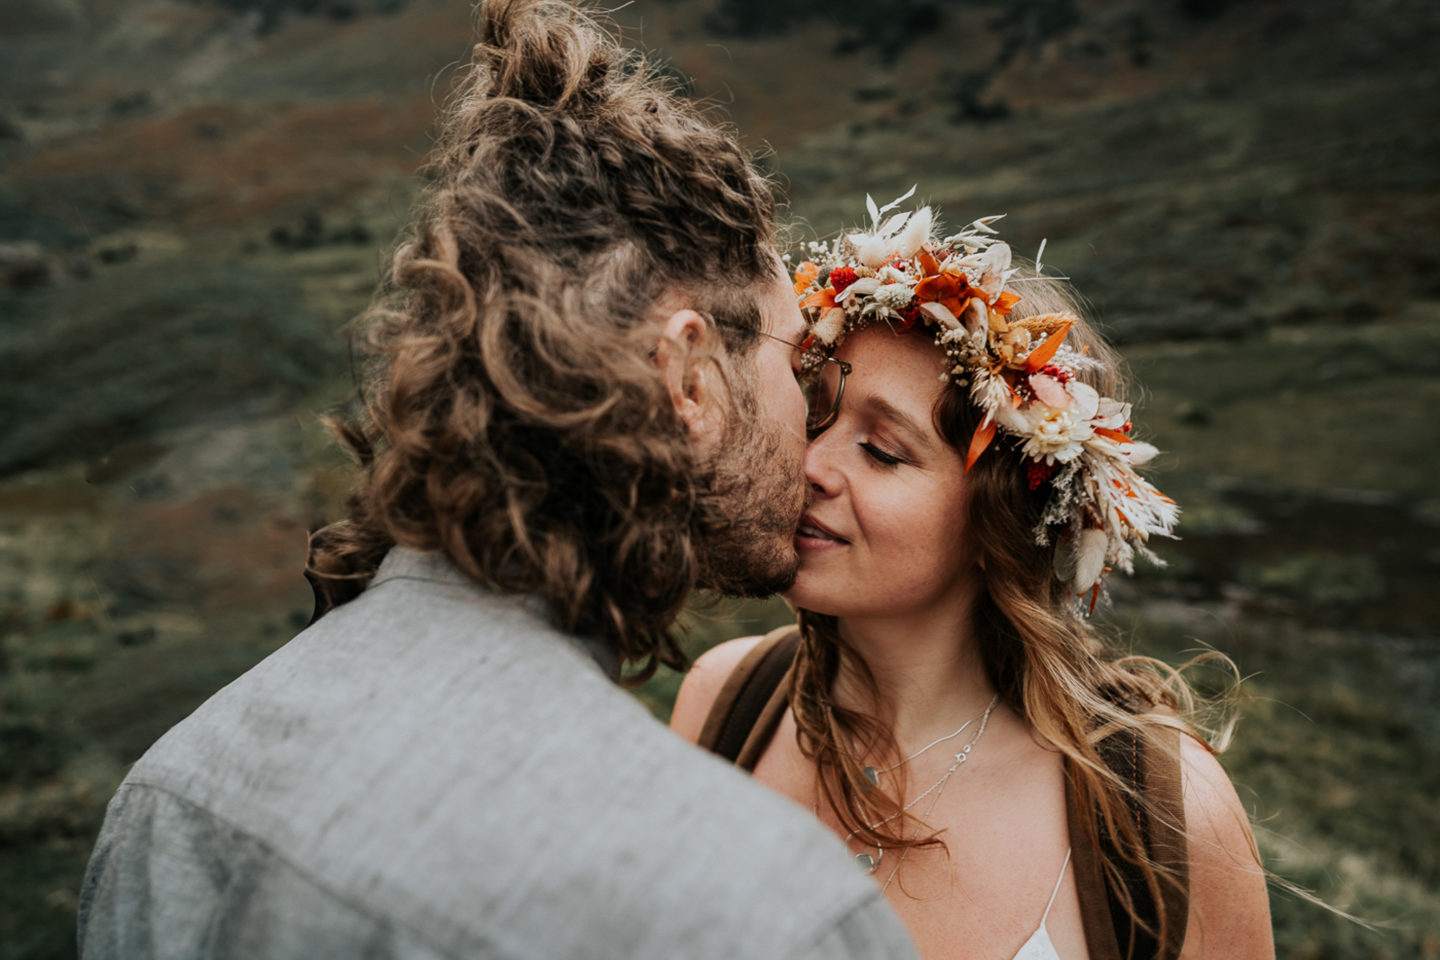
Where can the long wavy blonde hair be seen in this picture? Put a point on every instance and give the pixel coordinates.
(1046, 661)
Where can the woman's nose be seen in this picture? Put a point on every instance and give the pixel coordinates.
(821, 471)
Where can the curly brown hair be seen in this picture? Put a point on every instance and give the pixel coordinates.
(512, 414)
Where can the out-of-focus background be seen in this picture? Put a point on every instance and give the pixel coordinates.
(196, 195)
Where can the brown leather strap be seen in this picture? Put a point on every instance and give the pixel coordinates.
(751, 701)
(1165, 789)
(1152, 766)
(754, 697)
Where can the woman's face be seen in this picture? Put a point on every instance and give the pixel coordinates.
(884, 535)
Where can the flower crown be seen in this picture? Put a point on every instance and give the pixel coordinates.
(1021, 374)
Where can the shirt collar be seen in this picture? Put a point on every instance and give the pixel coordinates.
(432, 566)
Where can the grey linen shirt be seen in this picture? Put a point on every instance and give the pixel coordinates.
(433, 770)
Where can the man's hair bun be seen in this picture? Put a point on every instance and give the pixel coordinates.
(543, 52)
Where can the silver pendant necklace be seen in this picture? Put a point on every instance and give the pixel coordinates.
(873, 775)
(870, 863)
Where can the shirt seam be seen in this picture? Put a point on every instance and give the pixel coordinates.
(802, 943)
(361, 908)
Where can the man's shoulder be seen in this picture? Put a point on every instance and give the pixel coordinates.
(168, 874)
(616, 839)
(477, 764)
(169, 877)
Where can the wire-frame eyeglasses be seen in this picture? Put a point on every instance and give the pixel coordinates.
(823, 386)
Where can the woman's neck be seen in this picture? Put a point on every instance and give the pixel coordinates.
(927, 666)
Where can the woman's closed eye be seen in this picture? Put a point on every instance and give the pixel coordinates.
(880, 456)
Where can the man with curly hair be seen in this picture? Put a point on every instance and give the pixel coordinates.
(581, 406)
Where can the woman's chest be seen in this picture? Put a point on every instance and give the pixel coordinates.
(1004, 826)
(978, 899)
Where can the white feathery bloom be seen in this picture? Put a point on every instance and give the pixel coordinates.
(1091, 548)
(991, 394)
(894, 296)
(899, 237)
(988, 270)
(869, 250)
(1138, 453)
(1135, 508)
(914, 235)
(830, 326)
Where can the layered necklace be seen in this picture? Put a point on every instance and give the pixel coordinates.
(870, 863)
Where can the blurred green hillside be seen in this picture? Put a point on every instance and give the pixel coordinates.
(197, 195)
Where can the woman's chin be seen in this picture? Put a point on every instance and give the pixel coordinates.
(810, 593)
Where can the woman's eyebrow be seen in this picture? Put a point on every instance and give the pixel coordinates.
(901, 420)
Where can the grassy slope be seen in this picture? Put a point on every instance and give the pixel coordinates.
(1248, 200)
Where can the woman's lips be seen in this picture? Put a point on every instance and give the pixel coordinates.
(812, 533)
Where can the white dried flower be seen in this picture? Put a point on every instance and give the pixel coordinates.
(941, 314)
(869, 250)
(830, 326)
(1091, 547)
(1085, 401)
(1055, 436)
(898, 237)
(913, 237)
(1111, 414)
(894, 296)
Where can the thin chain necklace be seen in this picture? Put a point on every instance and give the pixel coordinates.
(873, 775)
(870, 864)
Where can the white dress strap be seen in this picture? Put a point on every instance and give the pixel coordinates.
(1053, 893)
(1039, 946)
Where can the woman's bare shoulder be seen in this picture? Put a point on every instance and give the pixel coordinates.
(703, 682)
(1229, 904)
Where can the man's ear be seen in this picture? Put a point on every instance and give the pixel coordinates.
(685, 364)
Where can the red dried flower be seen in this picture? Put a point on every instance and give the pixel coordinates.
(1038, 473)
(1059, 373)
(842, 277)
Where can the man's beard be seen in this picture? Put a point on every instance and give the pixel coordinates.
(759, 498)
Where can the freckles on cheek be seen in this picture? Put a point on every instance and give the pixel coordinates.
(927, 550)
